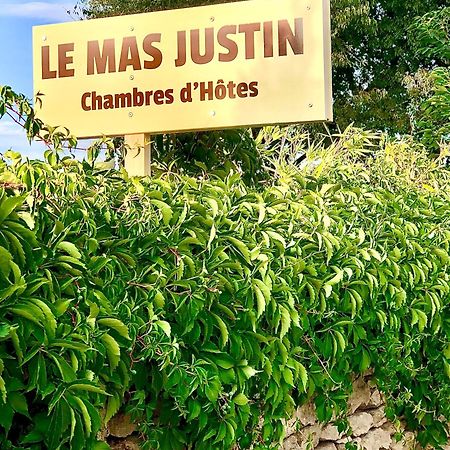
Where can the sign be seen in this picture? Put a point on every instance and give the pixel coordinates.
(212, 67)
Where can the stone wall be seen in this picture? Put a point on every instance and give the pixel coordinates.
(370, 430)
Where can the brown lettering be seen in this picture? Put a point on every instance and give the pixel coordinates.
(286, 34)
(152, 51)
(169, 96)
(207, 57)
(108, 102)
(97, 101)
(138, 97)
(64, 60)
(181, 39)
(242, 90)
(123, 100)
(101, 60)
(158, 97)
(129, 56)
(227, 43)
(268, 39)
(84, 98)
(231, 86)
(46, 72)
(254, 89)
(148, 97)
(249, 30)
(206, 91)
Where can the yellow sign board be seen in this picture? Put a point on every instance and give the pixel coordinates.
(230, 65)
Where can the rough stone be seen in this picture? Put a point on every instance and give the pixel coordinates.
(344, 440)
(304, 416)
(376, 439)
(389, 427)
(330, 433)
(291, 443)
(121, 426)
(360, 423)
(292, 425)
(360, 396)
(379, 417)
(370, 428)
(326, 446)
(307, 414)
(407, 443)
(126, 444)
(375, 399)
(309, 435)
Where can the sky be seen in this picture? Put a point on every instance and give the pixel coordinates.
(17, 17)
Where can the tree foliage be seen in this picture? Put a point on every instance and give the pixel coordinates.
(430, 89)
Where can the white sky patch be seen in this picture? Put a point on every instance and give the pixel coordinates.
(12, 136)
(56, 11)
(8, 129)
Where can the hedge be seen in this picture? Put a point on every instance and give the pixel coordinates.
(209, 310)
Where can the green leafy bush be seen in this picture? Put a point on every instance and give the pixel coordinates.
(430, 89)
(210, 310)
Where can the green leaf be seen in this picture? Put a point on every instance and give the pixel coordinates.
(73, 345)
(288, 376)
(16, 343)
(101, 445)
(243, 249)
(212, 235)
(50, 320)
(328, 290)
(212, 392)
(159, 300)
(4, 330)
(285, 321)
(166, 210)
(277, 237)
(442, 254)
(6, 417)
(303, 376)
(112, 406)
(5, 262)
(248, 371)
(87, 388)
(337, 278)
(69, 248)
(223, 362)
(447, 369)
(18, 403)
(65, 369)
(85, 414)
(365, 361)
(116, 325)
(9, 204)
(447, 351)
(223, 330)
(240, 399)
(195, 408)
(27, 218)
(260, 301)
(165, 326)
(112, 350)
